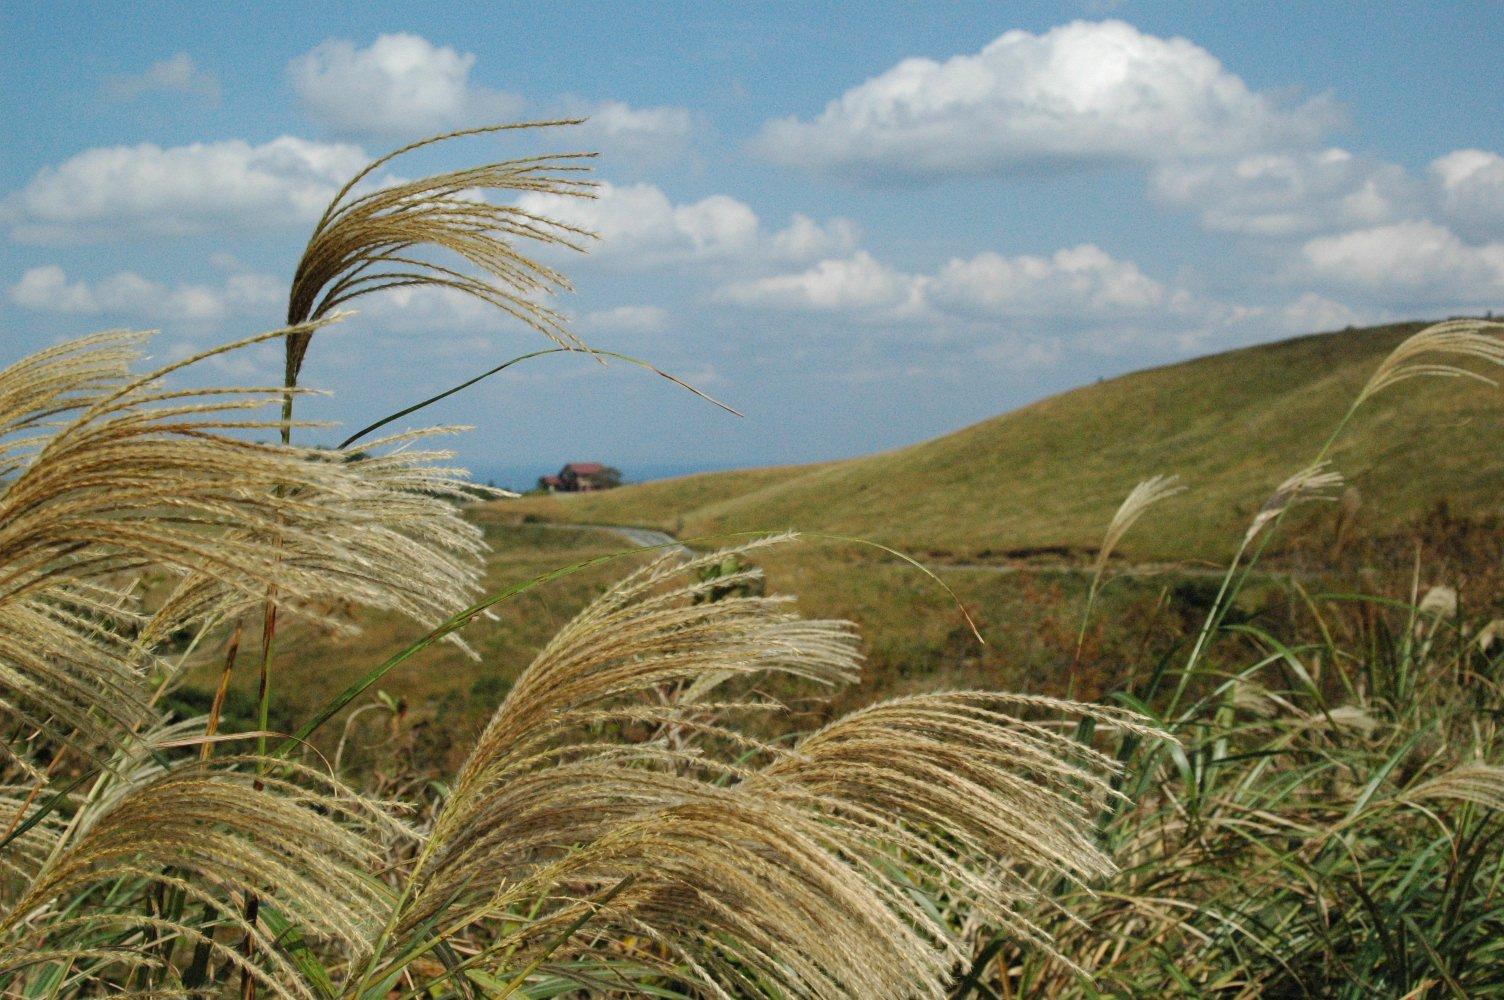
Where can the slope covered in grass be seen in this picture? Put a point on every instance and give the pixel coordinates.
(1048, 476)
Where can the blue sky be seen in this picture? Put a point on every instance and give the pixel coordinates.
(863, 225)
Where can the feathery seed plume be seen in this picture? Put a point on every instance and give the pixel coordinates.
(1463, 339)
(1315, 482)
(1143, 496)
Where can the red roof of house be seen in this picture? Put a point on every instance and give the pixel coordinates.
(551, 481)
(585, 468)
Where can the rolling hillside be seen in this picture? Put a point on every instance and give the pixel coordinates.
(1042, 479)
(1047, 477)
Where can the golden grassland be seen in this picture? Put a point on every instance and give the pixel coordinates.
(1022, 576)
(914, 636)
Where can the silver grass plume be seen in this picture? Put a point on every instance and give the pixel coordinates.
(204, 830)
(1420, 354)
(1143, 496)
(803, 870)
(1314, 482)
(111, 481)
(1472, 781)
(1139, 499)
(383, 239)
(1439, 602)
(538, 779)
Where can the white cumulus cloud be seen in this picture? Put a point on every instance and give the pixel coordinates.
(400, 86)
(126, 191)
(642, 134)
(128, 295)
(403, 86)
(1313, 313)
(1081, 92)
(1417, 262)
(1080, 296)
(1288, 194)
(639, 225)
(860, 285)
(1082, 280)
(1072, 286)
(625, 319)
(1470, 183)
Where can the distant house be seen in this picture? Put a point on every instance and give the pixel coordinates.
(581, 477)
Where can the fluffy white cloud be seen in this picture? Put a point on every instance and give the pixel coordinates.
(176, 74)
(1416, 262)
(1082, 280)
(111, 192)
(400, 86)
(1026, 309)
(46, 289)
(1288, 194)
(127, 294)
(456, 325)
(806, 239)
(1082, 92)
(859, 284)
(1303, 193)
(625, 319)
(1313, 313)
(1071, 286)
(1470, 185)
(640, 226)
(429, 309)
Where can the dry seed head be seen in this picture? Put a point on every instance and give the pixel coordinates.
(1354, 718)
(1473, 781)
(1439, 602)
(1315, 482)
(1143, 496)
(207, 831)
(1252, 698)
(114, 478)
(801, 868)
(1461, 339)
(383, 239)
(1489, 635)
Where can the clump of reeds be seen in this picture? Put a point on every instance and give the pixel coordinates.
(116, 484)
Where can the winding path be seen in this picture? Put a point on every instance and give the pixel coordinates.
(649, 538)
(645, 537)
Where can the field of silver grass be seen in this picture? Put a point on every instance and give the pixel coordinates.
(1264, 814)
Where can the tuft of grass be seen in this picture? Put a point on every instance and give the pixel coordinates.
(1325, 821)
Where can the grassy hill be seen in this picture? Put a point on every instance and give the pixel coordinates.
(1042, 479)
(1048, 476)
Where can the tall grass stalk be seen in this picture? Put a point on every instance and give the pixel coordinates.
(373, 242)
(1143, 496)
